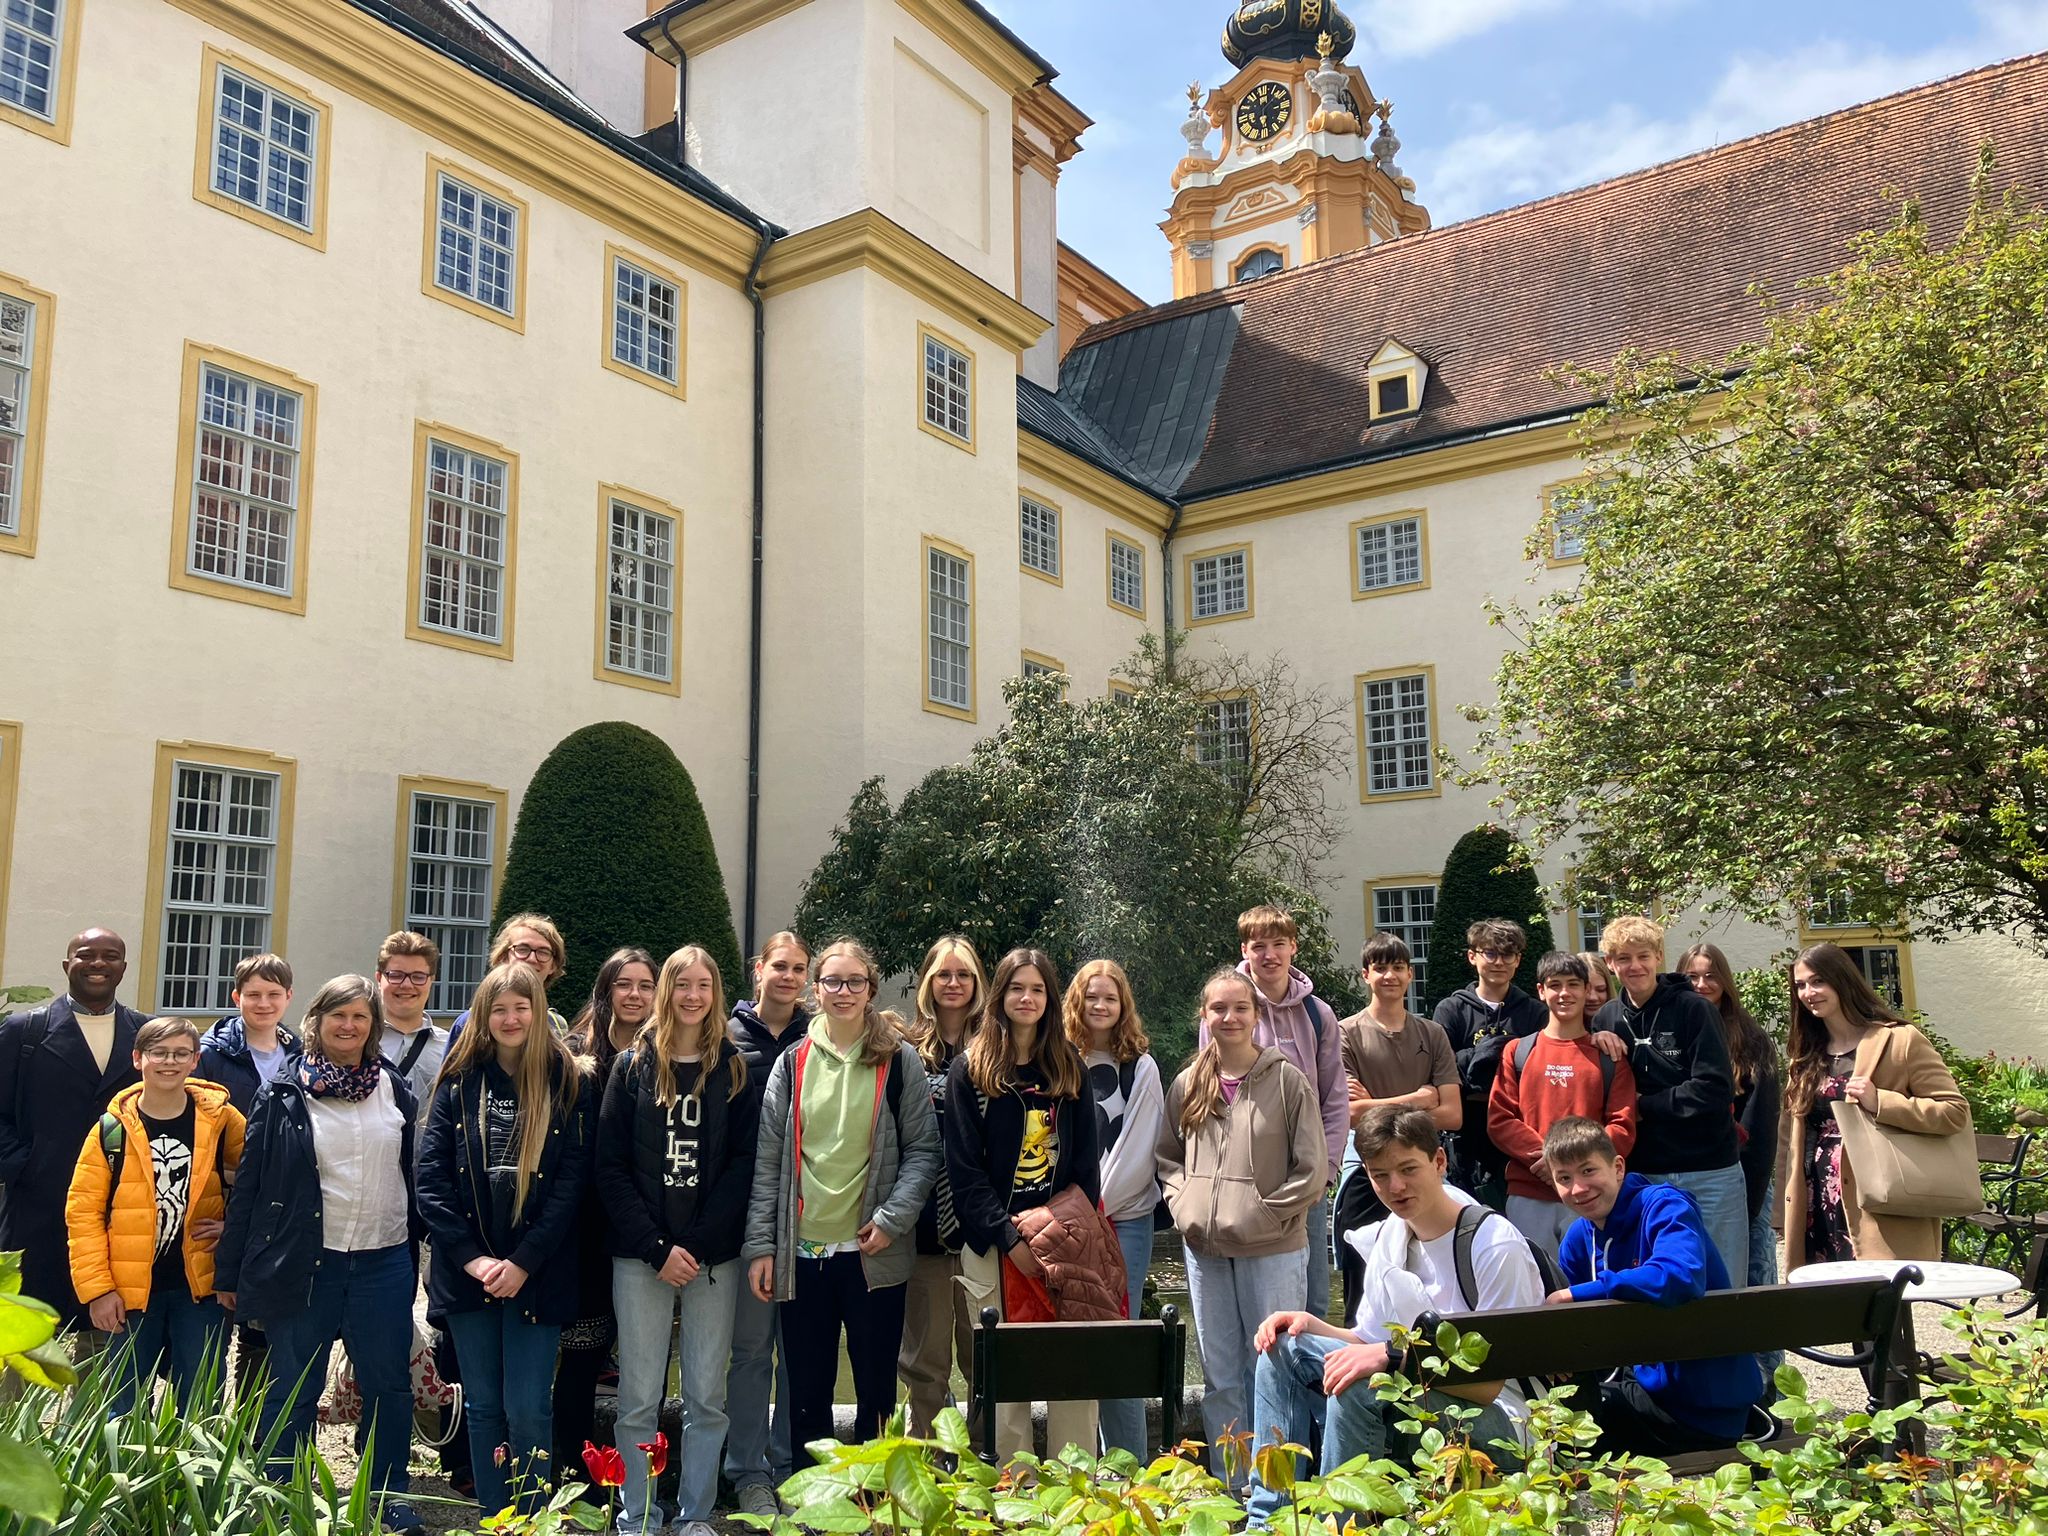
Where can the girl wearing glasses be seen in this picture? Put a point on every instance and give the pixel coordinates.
(849, 1149)
(531, 940)
(145, 1209)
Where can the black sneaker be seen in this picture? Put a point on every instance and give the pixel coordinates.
(400, 1516)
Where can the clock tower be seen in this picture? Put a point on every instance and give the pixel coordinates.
(1294, 177)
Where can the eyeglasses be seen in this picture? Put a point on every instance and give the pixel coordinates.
(1500, 956)
(842, 983)
(407, 978)
(168, 1057)
(531, 952)
(952, 978)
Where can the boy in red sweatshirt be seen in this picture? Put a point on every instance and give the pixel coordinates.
(1546, 1077)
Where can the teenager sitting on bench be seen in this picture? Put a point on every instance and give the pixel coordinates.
(1639, 1241)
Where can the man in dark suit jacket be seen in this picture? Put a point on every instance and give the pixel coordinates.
(61, 1064)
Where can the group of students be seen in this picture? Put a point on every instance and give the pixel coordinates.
(810, 1169)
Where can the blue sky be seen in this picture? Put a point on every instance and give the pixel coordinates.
(1497, 101)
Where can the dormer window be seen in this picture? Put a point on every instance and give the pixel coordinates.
(1390, 396)
(1394, 380)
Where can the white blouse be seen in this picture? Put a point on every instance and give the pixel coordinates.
(362, 1187)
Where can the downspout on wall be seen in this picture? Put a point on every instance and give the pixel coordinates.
(759, 567)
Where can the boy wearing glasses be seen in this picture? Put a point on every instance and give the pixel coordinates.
(407, 964)
(1481, 1020)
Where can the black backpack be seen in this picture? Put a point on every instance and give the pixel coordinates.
(1470, 1219)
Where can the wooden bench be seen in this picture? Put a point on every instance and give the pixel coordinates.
(1593, 1338)
(1069, 1362)
(2000, 1235)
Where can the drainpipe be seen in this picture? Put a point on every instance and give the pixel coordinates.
(682, 92)
(1166, 582)
(754, 637)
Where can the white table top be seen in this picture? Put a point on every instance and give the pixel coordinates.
(1940, 1281)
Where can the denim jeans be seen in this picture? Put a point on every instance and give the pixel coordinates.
(757, 1445)
(1319, 1255)
(1289, 1398)
(1230, 1298)
(832, 1294)
(1724, 1208)
(364, 1299)
(1763, 1270)
(646, 1306)
(1123, 1418)
(508, 1399)
(174, 1330)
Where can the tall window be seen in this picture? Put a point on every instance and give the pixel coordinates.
(464, 553)
(219, 881)
(1223, 737)
(646, 322)
(265, 148)
(476, 244)
(245, 481)
(1570, 506)
(1220, 584)
(17, 359)
(1589, 917)
(640, 593)
(949, 630)
(948, 389)
(30, 36)
(1407, 912)
(1390, 554)
(1038, 537)
(1126, 575)
(450, 845)
(1398, 743)
(1259, 264)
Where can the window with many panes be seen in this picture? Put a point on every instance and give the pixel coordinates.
(462, 559)
(476, 245)
(31, 32)
(1126, 575)
(1221, 584)
(219, 882)
(646, 312)
(449, 850)
(1397, 735)
(1223, 736)
(1570, 505)
(245, 474)
(1589, 918)
(1407, 912)
(1035, 667)
(1038, 537)
(1390, 554)
(640, 586)
(949, 650)
(948, 389)
(17, 359)
(265, 148)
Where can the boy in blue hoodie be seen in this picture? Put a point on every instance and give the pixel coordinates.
(1638, 1241)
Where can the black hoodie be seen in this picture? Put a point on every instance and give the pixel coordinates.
(1480, 1034)
(759, 1044)
(1685, 1088)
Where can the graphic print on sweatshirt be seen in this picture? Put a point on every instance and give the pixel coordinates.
(1035, 1157)
(1106, 1081)
(171, 1157)
(679, 1164)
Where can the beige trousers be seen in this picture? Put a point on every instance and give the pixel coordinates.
(1070, 1423)
(936, 1332)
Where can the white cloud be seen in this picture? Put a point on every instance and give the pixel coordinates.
(1411, 28)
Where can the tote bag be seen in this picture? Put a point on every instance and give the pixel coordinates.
(1910, 1173)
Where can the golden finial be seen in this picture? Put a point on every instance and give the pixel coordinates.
(1325, 46)
(1385, 109)
(1195, 95)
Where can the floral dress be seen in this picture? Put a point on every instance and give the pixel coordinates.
(1827, 1223)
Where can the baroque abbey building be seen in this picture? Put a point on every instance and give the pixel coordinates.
(389, 387)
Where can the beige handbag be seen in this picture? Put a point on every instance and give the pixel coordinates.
(1910, 1173)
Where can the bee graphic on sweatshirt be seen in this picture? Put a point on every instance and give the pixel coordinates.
(1034, 1158)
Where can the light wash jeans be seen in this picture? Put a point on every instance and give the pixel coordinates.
(1724, 1207)
(1123, 1418)
(1230, 1298)
(646, 1306)
(1543, 1222)
(1289, 1397)
(757, 1445)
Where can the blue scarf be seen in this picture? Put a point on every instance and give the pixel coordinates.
(323, 1079)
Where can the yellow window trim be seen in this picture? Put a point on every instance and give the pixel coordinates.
(613, 254)
(10, 791)
(28, 486)
(1121, 688)
(1434, 880)
(1417, 515)
(183, 578)
(149, 947)
(57, 128)
(1110, 539)
(606, 495)
(1551, 559)
(1041, 659)
(1188, 584)
(414, 629)
(437, 167)
(969, 443)
(1059, 536)
(926, 545)
(212, 61)
(1865, 936)
(457, 789)
(1436, 776)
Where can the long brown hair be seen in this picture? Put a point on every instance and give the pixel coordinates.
(989, 1052)
(881, 1028)
(545, 1079)
(1750, 1050)
(591, 1034)
(1127, 1038)
(662, 1035)
(925, 1034)
(1832, 966)
(1204, 1095)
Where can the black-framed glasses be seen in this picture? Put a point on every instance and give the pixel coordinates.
(169, 1056)
(531, 952)
(408, 978)
(842, 983)
(1499, 956)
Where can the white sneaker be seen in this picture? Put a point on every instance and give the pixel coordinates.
(759, 1499)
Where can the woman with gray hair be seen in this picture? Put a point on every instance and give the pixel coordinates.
(321, 1231)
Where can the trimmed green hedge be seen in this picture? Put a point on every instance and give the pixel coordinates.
(1480, 880)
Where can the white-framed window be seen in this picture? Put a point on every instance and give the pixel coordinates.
(1221, 584)
(949, 630)
(17, 360)
(476, 245)
(1223, 736)
(1038, 537)
(245, 481)
(219, 882)
(1126, 575)
(1257, 265)
(451, 843)
(1389, 554)
(265, 147)
(646, 319)
(462, 556)
(31, 33)
(640, 602)
(948, 389)
(1570, 506)
(1040, 666)
(1408, 912)
(1397, 735)
(1589, 919)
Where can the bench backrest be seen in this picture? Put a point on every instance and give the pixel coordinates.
(2001, 1151)
(1064, 1362)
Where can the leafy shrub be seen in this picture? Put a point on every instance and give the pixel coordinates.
(1487, 875)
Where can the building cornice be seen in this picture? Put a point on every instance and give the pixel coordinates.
(707, 26)
(989, 49)
(1049, 461)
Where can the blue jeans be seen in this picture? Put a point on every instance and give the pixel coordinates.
(1230, 1298)
(1763, 1270)
(1288, 1399)
(646, 1306)
(364, 1299)
(174, 1329)
(757, 1445)
(508, 1399)
(1724, 1208)
(1123, 1418)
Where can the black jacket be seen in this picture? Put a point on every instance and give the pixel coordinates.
(938, 1224)
(455, 1202)
(224, 1058)
(759, 1044)
(1756, 1112)
(1685, 1090)
(51, 1094)
(1480, 1035)
(274, 1236)
(983, 1140)
(632, 1146)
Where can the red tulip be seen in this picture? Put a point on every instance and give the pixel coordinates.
(657, 1454)
(607, 1467)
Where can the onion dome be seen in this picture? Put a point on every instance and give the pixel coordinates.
(1285, 29)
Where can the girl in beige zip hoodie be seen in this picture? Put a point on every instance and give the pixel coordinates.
(1241, 1160)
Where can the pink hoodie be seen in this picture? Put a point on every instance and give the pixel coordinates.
(1319, 1055)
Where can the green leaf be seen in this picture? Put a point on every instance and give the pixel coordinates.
(836, 1515)
(950, 1430)
(29, 1485)
(911, 1484)
(25, 1323)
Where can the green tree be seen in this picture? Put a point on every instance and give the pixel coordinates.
(1487, 875)
(1809, 650)
(612, 844)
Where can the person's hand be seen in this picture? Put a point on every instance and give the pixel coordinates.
(1290, 1323)
(1359, 1100)
(872, 1239)
(1861, 1090)
(761, 1278)
(1557, 1298)
(226, 1300)
(107, 1313)
(506, 1282)
(1025, 1260)
(680, 1267)
(1421, 1098)
(1343, 1368)
(205, 1233)
(483, 1269)
(1611, 1045)
(1540, 1172)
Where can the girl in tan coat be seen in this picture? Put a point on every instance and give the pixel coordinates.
(1849, 1046)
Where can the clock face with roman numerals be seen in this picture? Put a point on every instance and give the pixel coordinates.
(1264, 112)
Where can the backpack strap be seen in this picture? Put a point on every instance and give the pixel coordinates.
(415, 1048)
(1315, 1018)
(1523, 1047)
(35, 1029)
(114, 1148)
(1470, 1219)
